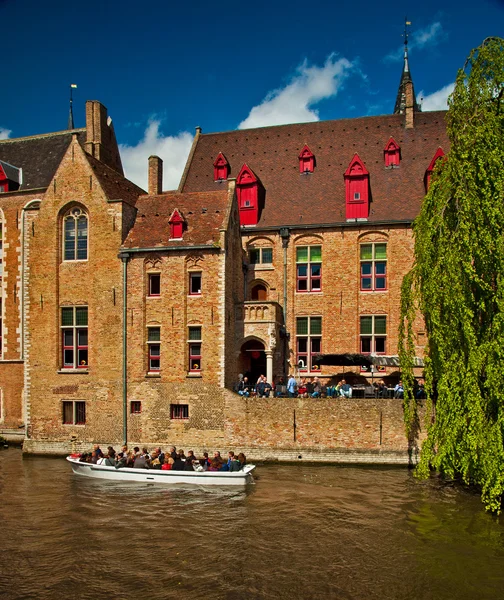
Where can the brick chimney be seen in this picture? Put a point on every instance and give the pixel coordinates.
(100, 137)
(409, 105)
(155, 175)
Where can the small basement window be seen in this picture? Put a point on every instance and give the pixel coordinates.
(179, 411)
(136, 407)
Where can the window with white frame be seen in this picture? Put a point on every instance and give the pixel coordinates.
(75, 235)
(74, 334)
(154, 349)
(373, 266)
(261, 256)
(74, 412)
(309, 268)
(373, 334)
(194, 343)
(195, 284)
(154, 284)
(308, 342)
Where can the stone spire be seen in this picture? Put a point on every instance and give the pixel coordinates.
(406, 93)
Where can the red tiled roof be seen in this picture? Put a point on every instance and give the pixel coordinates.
(204, 214)
(293, 198)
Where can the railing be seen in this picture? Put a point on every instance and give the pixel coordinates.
(258, 310)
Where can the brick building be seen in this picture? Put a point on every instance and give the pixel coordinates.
(130, 315)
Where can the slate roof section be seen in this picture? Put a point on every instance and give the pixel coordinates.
(204, 213)
(293, 198)
(115, 185)
(38, 156)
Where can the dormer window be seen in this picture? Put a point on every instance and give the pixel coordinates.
(249, 194)
(357, 189)
(306, 161)
(392, 153)
(10, 177)
(221, 168)
(428, 173)
(176, 225)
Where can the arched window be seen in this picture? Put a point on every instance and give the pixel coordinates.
(75, 235)
(259, 292)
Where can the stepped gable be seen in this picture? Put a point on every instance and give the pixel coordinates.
(204, 214)
(38, 156)
(115, 185)
(293, 198)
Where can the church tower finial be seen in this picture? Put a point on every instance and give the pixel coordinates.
(406, 83)
(70, 114)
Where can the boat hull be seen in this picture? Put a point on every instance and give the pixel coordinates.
(159, 476)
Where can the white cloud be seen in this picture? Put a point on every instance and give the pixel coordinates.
(428, 36)
(172, 149)
(437, 100)
(4, 133)
(294, 102)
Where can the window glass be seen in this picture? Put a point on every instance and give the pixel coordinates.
(302, 254)
(254, 256)
(81, 315)
(154, 284)
(195, 333)
(366, 251)
(267, 256)
(302, 325)
(154, 334)
(380, 251)
(380, 324)
(67, 316)
(316, 325)
(366, 324)
(315, 253)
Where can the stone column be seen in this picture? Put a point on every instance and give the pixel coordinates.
(269, 366)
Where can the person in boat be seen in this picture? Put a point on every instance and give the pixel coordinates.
(155, 462)
(242, 459)
(173, 452)
(215, 465)
(178, 464)
(188, 465)
(207, 460)
(141, 462)
(84, 457)
(181, 455)
(233, 463)
(190, 456)
(168, 464)
(161, 455)
(110, 460)
(122, 460)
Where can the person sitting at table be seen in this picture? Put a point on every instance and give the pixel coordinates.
(381, 389)
(399, 390)
(345, 389)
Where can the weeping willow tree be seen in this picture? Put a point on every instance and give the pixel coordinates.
(457, 283)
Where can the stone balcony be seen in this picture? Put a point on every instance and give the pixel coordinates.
(259, 311)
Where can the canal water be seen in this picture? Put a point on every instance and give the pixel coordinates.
(300, 532)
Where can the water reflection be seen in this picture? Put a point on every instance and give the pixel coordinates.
(300, 532)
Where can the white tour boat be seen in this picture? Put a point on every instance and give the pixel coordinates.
(159, 476)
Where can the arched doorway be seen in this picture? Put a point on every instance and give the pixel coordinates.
(253, 360)
(259, 292)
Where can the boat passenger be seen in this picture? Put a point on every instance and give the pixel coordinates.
(242, 459)
(207, 460)
(141, 462)
(155, 462)
(181, 455)
(122, 460)
(168, 464)
(173, 452)
(215, 465)
(188, 465)
(190, 456)
(161, 455)
(201, 465)
(110, 460)
(84, 457)
(234, 464)
(178, 464)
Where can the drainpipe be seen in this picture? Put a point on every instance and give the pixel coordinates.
(284, 234)
(124, 256)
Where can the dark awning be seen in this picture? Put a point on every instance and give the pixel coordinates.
(363, 360)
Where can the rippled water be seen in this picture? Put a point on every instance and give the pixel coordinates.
(299, 532)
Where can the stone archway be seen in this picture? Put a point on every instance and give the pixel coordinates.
(253, 359)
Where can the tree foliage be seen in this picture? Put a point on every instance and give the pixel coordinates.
(457, 283)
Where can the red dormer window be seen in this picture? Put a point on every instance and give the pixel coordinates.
(247, 191)
(176, 225)
(357, 189)
(10, 177)
(428, 174)
(221, 167)
(392, 153)
(4, 182)
(306, 161)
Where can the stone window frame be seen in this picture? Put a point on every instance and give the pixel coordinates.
(135, 407)
(76, 212)
(193, 275)
(78, 410)
(153, 349)
(311, 341)
(194, 357)
(80, 351)
(374, 265)
(179, 412)
(310, 278)
(371, 338)
(150, 278)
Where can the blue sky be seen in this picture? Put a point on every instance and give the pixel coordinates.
(167, 67)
